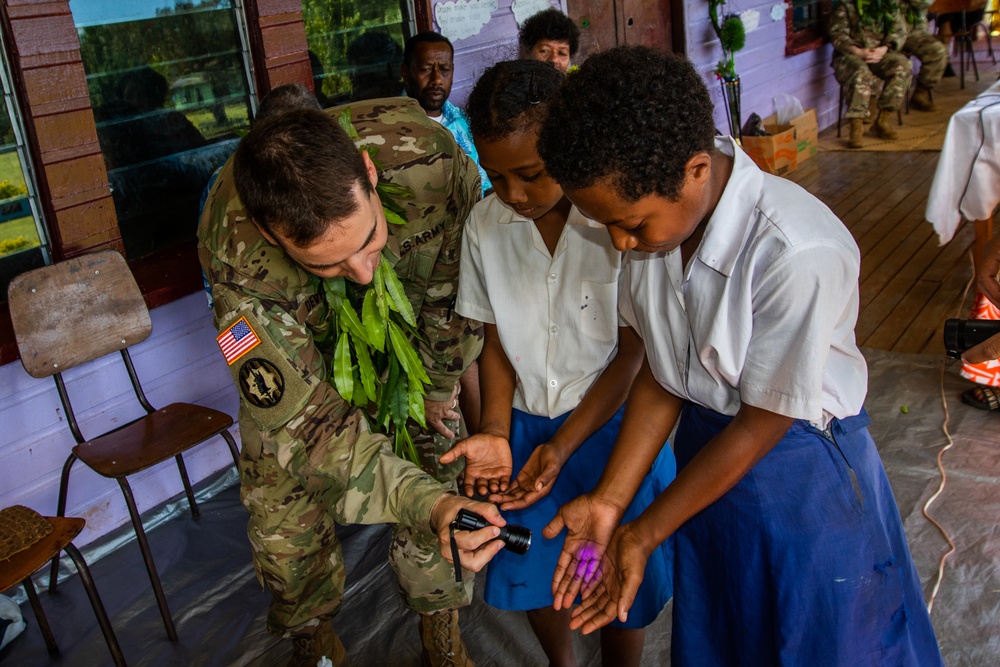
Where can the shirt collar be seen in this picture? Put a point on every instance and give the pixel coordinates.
(727, 229)
(574, 217)
(448, 113)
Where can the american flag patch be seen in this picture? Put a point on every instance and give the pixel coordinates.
(237, 340)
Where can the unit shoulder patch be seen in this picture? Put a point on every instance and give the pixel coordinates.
(261, 383)
(277, 375)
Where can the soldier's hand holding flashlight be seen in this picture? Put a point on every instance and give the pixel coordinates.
(475, 547)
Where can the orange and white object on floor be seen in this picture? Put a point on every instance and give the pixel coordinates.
(987, 372)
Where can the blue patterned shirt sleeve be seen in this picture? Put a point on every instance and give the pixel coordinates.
(454, 119)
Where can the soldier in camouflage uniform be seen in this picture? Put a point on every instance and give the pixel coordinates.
(929, 50)
(309, 459)
(867, 49)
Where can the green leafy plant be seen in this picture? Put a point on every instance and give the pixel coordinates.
(375, 366)
(8, 190)
(732, 36)
(8, 246)
(881, 13)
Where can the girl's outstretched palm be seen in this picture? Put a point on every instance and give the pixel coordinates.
(590, 522)
(487, 463)
(611, 596)
(535, 479)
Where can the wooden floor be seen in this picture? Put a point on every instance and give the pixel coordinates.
(909, 284)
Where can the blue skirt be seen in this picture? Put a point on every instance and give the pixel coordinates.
(803, 562)
(525, 582)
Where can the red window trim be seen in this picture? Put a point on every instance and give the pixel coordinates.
(807, 39)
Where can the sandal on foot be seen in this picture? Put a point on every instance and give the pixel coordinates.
(982, 397)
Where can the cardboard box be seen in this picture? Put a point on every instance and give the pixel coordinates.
(776, 154)
(806, 133)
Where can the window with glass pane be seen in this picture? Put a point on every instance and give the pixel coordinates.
(356, 47)
(805, 25)
(22, 239)
(169, 89)
(805, 14)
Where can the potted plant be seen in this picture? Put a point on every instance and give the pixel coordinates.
(732, 36)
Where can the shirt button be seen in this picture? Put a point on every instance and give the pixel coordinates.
(553, 329)
(552, 383)
(552, 276)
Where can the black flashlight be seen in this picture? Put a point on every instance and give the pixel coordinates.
(514, 538)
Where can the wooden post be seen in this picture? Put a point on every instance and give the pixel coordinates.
(74, 192)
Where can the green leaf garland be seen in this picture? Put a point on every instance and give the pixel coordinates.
(374, 361)
(878, 13)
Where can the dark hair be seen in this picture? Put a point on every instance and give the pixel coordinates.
(634, 115)
(374, 47)
(285, 98)
(374, 57)
(296, 173)
(427, 37)
(549, 24)
(145, 88)
(509, 97)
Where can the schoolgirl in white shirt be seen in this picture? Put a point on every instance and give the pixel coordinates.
(744, 288)
(555, 367)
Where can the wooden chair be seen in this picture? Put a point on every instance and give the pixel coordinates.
(19, 567)
(82, 309)
(965, 34)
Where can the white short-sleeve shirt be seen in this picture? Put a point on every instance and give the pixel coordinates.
(765, 312)
(556, 315)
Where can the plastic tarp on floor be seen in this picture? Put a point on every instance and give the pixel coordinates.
(219, 608)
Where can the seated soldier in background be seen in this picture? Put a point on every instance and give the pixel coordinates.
(307, 210)
(867, 47)
(549, 36)
(927, 48)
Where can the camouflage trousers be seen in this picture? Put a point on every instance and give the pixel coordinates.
(861, 80)
(298, 558)
(932, 54)
(426, 580)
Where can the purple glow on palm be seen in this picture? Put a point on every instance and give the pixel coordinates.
(588, 563)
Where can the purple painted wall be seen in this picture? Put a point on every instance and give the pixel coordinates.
(496, 41)
(179, 362)
(764, 69)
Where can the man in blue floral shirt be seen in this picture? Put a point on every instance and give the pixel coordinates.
(428, 68)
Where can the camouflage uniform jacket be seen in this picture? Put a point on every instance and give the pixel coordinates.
(915, 14)
(287, 403)
(846, 30)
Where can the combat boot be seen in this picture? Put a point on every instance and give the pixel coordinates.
(857, 129)
(921, 99)
(443, 646)
(872, 110)
(883, 126)
(323, 643)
